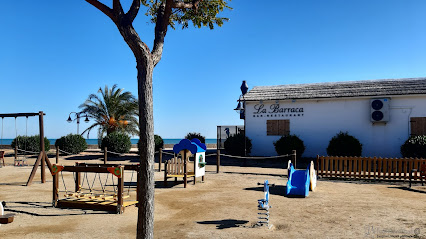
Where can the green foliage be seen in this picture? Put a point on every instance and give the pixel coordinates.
(114, 110)
(72, 143)
(195, 135)
(206, 13)
(287, 143)
(159, 143)
(344, 144)
(30, 143)
(414, 147)
(117, 142)
(234, 145)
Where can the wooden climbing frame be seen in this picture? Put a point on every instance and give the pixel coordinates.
(114, 203)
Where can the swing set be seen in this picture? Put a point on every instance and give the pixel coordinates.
(42, 156)
(109, 197)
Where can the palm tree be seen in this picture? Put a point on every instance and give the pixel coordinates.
(113, 110)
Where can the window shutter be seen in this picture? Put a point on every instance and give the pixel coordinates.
(418, 125)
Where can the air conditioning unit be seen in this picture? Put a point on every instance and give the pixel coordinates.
(379, 110)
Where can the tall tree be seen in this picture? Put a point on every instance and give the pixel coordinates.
(164, 13)
(115, 109)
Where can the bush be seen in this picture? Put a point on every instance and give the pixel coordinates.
(414, 147)
(287, 143)
(196, 136)
(30, 143)
(72, 143)
(117, 142)
(234, 145)
(159, 143)
(344, 144)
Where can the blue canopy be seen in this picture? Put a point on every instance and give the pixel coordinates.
(195, 146)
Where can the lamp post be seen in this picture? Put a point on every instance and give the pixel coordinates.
(241, 109)
(77, 116)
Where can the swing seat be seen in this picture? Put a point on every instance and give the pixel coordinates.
(6, 218)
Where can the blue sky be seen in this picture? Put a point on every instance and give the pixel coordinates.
(53, 54)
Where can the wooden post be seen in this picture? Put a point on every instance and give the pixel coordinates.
(165, 174)
(55, 190)
(185, 174)
(77, 181)
(16, 150)
(195, 166)
(120, 208)
(160, 159)
(57, 154)
(293, 158)
(218, 161)
(43, 162)
(105, 155)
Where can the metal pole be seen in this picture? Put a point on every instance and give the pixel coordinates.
(160, 159)
(78, 122)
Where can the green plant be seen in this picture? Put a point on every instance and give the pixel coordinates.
(287, 143)
(344, 144)
(117, 142)
(234, 145)
(72, 143)
(30, 143)
(414, 147)
(159, 143)
(195, 135)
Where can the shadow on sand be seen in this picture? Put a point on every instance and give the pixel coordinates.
(224, 224)
(29, 207)
(409, 189)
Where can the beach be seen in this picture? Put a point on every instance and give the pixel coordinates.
(224, 206)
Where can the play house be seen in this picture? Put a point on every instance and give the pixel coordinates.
(189, 161)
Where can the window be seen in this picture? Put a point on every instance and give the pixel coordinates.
(418, 125)
(277, 127)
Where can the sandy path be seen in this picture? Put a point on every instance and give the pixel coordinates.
(224, 207)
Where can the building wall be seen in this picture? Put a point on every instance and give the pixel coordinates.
(322, 119)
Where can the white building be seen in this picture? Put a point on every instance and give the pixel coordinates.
(381, 114)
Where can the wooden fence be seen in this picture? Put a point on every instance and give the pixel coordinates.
(368, 168)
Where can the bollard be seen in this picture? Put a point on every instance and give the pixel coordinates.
(293, 158)
(105, 155)
(57, 154)
(218, 161)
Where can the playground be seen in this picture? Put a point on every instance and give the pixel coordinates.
(224, 206)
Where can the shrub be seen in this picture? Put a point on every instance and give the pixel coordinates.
(72, 143)
(287, 143)
(117, 142)
(414, 147)
(196, 136)
(159, 143)
(234, 145)
(344, 144)
(30, 143)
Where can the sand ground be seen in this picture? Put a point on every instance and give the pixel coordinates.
(224, 206)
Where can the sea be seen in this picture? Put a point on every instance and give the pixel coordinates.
(95, 141)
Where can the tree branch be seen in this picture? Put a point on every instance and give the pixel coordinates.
(103, 8)
(163, 18)
(133, 11)
(116, 5)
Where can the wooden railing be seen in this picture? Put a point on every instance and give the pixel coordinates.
(368, 168)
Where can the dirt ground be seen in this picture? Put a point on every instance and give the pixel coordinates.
(224, 206)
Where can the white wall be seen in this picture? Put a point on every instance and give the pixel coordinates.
(322, 119)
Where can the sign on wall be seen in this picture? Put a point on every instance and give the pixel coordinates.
(274, 110)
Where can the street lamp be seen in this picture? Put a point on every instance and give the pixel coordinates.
(241, 109)
(77, 116)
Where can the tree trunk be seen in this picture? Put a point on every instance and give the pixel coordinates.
(145, 226)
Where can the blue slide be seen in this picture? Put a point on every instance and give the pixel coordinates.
(298, 182)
